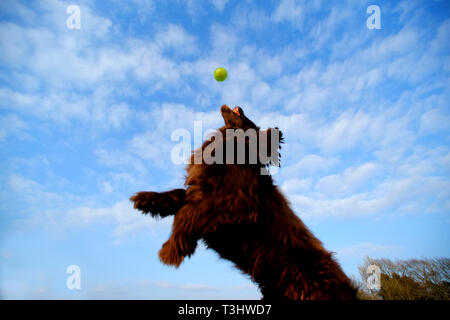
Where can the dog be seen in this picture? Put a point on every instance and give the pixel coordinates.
(236, 209)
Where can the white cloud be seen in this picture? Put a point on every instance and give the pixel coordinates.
(308, 165)
(404, 41)
(20, 184)
(310, 99)
(57, 211)
(295, 126)
(361, 128)
(14, 100)
(248, 16)
(106, 187)
(77, 59)
(407, 185)
(224, 42)
(260, 92)
(349, 181)
(33, 193)
(119, 159)
(219, 4)
(63, 107)
(12, 125)
(151, 148)
(325, 107)
(434, 120)
(440, 43)
(323, 31)
(60, 211)
(296, 185)
(387, 198)
(175, 37)
(125, 219)
(118, 115)
(289, 10)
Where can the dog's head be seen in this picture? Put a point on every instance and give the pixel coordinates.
(267, 142)
(236, 119)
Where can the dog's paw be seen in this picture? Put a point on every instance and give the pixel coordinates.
(169, 255)
(146, 201)
(160, 204)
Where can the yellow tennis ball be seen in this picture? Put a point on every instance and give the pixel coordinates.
(220, 74)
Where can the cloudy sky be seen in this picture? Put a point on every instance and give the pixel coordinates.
(86, 117)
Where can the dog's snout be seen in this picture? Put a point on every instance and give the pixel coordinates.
(224, 108)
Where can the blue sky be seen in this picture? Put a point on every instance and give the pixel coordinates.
(86, 118)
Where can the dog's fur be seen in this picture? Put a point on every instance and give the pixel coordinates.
(243, 216)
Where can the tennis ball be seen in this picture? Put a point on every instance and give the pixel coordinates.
(220, 74)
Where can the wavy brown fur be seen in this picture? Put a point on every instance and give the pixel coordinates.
(246, 219)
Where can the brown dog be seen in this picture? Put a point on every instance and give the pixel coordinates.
(242, 215)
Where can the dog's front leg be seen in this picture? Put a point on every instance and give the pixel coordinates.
(160, 204)
(188, 226)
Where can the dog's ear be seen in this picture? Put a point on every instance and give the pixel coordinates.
(270, 141)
